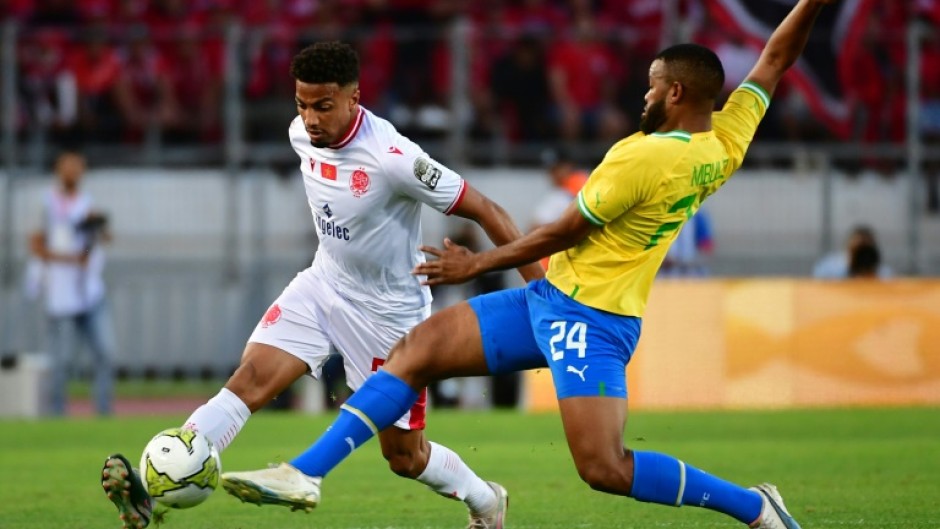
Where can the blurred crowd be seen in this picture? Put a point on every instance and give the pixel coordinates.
(120, 70)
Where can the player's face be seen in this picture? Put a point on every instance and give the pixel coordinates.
(70, 167)
(327, 110)
(654, 113)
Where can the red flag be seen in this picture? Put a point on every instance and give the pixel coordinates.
(327, 171)
(839, 29)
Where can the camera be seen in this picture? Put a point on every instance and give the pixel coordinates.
(93, 225)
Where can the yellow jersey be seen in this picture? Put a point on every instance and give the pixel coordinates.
(639, 197)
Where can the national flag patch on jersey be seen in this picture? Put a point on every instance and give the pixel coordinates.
(327, 171)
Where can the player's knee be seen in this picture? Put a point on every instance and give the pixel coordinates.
(404, 464)
(605, 476)
(405, 362)
(245, 384)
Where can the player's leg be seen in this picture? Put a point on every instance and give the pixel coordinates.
(594, 426)
(287, 342)
(587, 352)
(364, 342)
(60, 348)
(411, 455)
(98, 330)
(448, 344)
(264, 372)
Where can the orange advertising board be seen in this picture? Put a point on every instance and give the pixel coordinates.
(736, 344)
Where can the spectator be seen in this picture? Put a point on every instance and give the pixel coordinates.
(520, 87)
(196, 81)
(376, 45)
(54, 13)
(69, 262)
(48, 87)
(142, 91)
(930, 116)
(838, 265)
(536, 16)
(865, 261)
(96, 66)
(582, 76)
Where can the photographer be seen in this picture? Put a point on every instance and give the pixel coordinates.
(67, 275)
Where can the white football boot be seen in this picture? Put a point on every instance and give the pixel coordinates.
(280, 485)
(495, 517)
(774, 514)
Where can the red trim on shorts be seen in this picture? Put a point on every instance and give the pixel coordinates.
(351, 133)
(419, 412)
(456, 203)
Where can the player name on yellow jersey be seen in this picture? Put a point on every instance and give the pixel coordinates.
(640, 196)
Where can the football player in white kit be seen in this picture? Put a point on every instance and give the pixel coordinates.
(365, 184)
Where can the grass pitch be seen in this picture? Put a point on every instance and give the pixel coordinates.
(836, 469)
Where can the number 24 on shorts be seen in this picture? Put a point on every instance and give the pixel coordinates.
(574, 334)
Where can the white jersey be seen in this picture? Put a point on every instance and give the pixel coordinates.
(365, 193)
(68, 288)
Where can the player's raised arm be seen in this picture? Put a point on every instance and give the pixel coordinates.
(498, 226)
(786, 44)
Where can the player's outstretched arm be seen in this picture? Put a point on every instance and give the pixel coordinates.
(456, 264)
(786, 44)
(498, 226)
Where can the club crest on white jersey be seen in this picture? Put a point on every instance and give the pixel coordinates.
(365, 195)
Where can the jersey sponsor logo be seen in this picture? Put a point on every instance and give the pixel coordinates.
(328, 171)
(329, 228)
(394, 150)
(359, 182)
(272, 316)
(327, 210)
(427, 172)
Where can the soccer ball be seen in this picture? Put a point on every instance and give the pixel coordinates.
(180, 467)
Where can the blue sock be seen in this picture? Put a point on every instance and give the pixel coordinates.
(381, 401)
(658, 478)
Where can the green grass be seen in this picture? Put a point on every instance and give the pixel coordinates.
(836, 469)
(152, 388)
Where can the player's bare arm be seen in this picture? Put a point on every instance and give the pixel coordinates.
(456, 264)
(498, 226)
(786, 44)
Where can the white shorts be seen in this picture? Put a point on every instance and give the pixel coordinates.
(310, 320)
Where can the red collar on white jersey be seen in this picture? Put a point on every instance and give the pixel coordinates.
(351, 133)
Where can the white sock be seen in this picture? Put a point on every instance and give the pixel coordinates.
(220, 419)
(449, 476)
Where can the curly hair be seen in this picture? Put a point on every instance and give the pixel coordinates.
(326, 62)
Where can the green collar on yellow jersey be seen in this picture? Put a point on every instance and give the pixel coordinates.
(680, 135)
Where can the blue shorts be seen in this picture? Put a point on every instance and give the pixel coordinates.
(539, 326)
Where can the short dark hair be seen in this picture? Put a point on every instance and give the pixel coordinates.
(695, 67)
(863, 231)
(326, 62)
